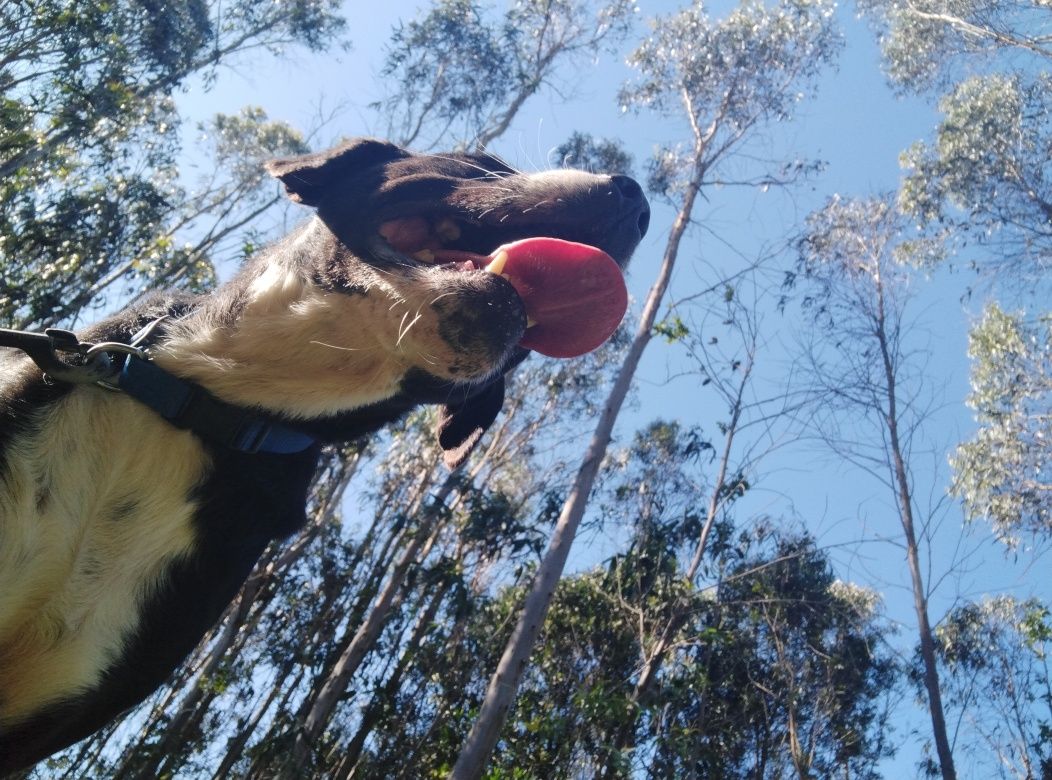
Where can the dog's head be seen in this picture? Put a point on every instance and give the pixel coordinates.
(411, 234)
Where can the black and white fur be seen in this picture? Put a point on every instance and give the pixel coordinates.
(122, 538)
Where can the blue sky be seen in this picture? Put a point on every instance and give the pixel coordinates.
(859, 127)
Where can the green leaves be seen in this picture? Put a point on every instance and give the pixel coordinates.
(599, 155)
(458, 71)
(1004, 473)
(924, 40)
(754, 65)
(995, 653)
(986, 178)
(89, 139)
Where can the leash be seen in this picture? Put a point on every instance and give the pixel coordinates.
(128, 368)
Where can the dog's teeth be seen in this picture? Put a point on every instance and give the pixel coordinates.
(447, 229)
(424, 256)
(496, 265)
(530, 322)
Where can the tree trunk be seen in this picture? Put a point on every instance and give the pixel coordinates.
(505, 681)
(386, 695)
(328, 695)
(920, 599)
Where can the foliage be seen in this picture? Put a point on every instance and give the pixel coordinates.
(599, 155)
(457, 71)
(1004, 473)
(89, 137)
(739, 67)
(925, 41)
(995, 653)
(784, 673)
(986, 179)
(781, 629)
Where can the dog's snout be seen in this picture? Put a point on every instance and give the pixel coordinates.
(634, 199)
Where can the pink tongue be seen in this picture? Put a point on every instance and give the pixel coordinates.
(573, 293)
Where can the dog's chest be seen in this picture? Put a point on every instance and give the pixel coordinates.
(96, 502)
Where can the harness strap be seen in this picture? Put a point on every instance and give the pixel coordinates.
(182, 403)
(191, 407)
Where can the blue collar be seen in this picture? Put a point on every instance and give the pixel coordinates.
(191, 407)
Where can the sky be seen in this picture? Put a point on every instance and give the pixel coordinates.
(859, 127)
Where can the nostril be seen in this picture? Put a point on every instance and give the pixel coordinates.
(644, 221)
(634, 201)
(628, 187)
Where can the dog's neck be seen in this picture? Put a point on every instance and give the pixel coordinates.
(274, 339)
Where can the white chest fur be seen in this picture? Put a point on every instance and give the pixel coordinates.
(95, 502)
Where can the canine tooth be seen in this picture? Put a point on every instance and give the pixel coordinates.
(424, 256)
(530, 322)
(496, 265)
(447, 229)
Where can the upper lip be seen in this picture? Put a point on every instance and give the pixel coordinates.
(418, 238)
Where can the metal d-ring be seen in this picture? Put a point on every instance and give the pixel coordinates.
(105, 347)
(100, 353)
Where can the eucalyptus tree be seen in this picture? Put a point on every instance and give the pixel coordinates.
(722, 333)
(983, 185)
(89, 77)
(598, 155)
(855, 262)
(1004, 473)
(89, 136)
(927, 42)
(782, 671)
(727, 80)
(984, 188)
(984, 182)
(458, 71)
(52, 272)
(998, 681)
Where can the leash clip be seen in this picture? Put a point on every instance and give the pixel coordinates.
(45, 349)
(89, 363)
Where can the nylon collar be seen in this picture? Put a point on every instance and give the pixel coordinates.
(189, 406)
(127, 367)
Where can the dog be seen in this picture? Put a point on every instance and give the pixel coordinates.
(130, 519)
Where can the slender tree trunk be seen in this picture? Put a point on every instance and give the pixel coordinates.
(920, 599)
(351, 659)
(327, 697)
(235, 746)
(655, 657)
(386, 695)
(505, 681)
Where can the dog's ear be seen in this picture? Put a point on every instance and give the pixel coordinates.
(307, 177)
(460, 426)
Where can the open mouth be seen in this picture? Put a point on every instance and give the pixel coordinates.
(574, 294)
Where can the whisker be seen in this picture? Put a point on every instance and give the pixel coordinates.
(334, 346)
(407, 328)
(484, 150)
(440, 297)
(470, 164)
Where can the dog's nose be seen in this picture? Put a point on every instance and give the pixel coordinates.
(635, 201)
